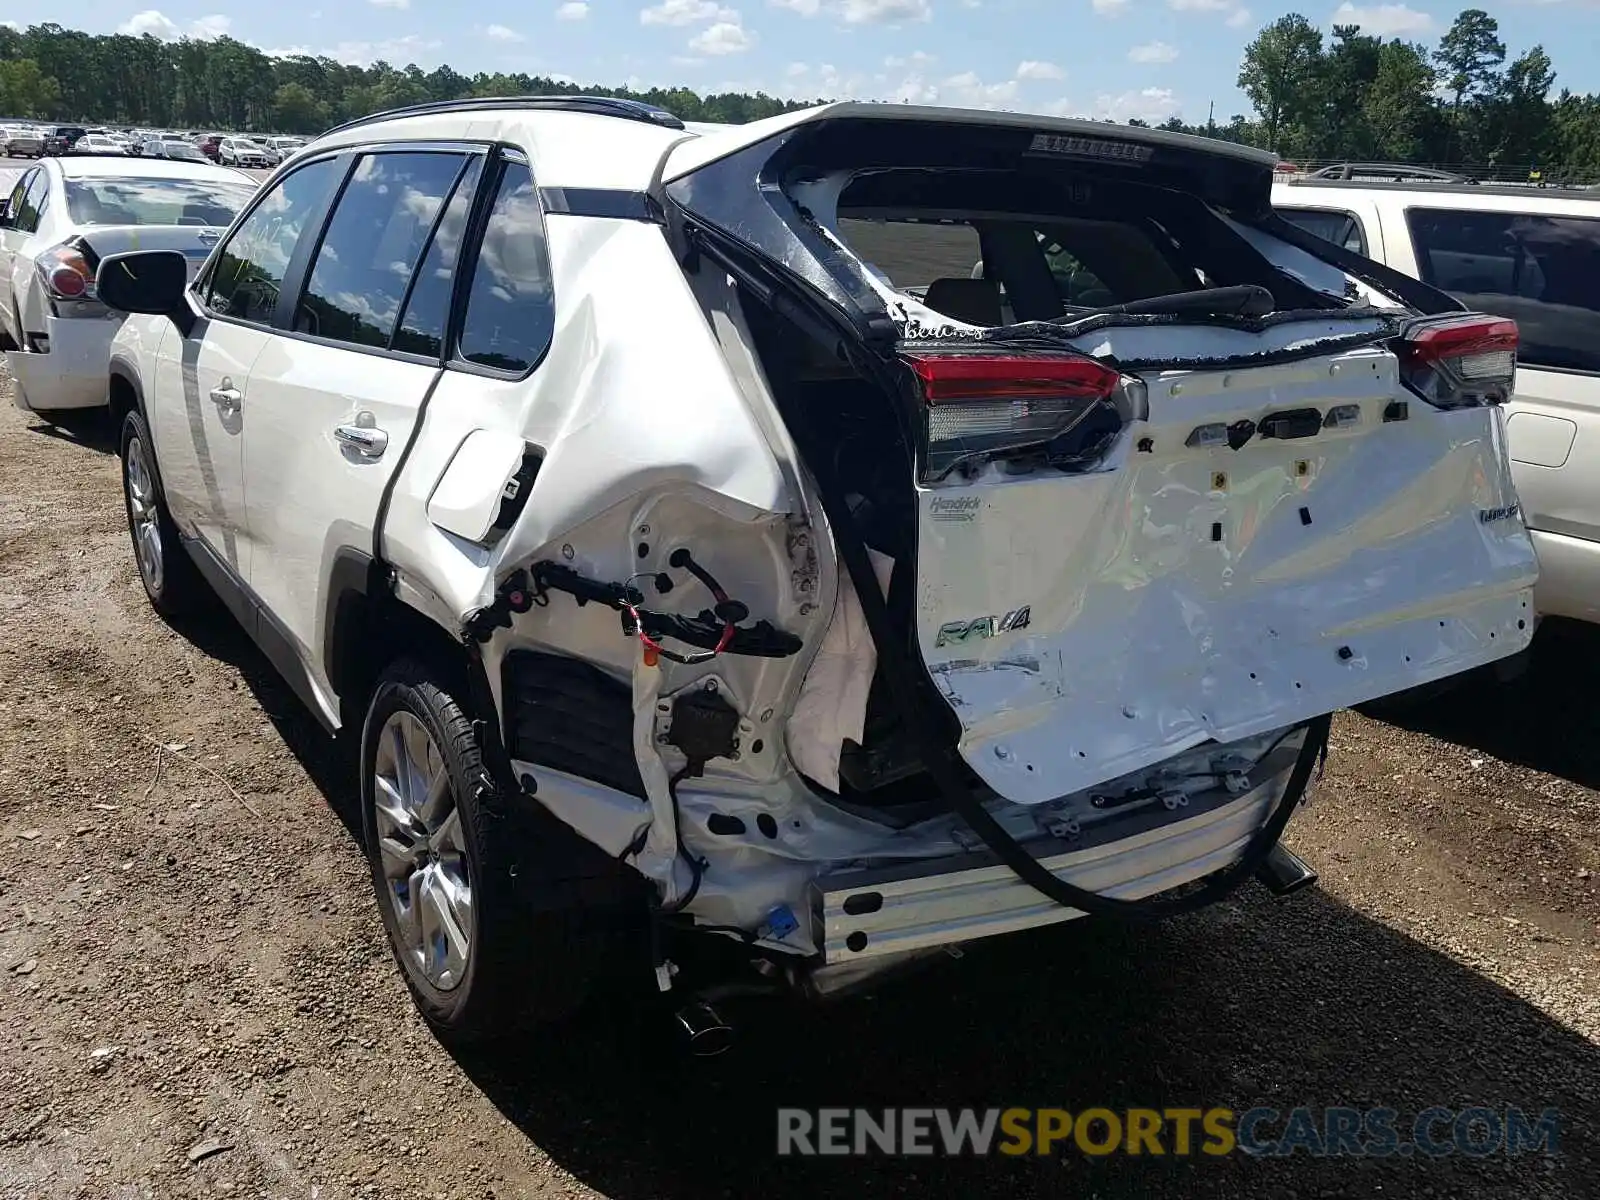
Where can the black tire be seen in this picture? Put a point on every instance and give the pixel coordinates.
(534, 947)
(176, 587)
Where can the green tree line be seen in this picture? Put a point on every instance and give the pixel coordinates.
(1358, 97)
(1350, 96)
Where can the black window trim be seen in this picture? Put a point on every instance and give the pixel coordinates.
(1329, 210)
(505, 155)
(1417, 254)
(299, 272)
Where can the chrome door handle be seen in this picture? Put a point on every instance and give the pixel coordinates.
(363, 439)
(227, 398)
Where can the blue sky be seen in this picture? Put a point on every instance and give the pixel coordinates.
(1104, 58)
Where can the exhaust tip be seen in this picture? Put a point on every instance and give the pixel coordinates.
(707, 1033)
(1284, 872)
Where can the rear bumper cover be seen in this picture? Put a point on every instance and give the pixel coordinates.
(73, 374)
(1569, 576)
(874, 912)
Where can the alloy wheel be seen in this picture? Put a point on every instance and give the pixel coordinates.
(144, 517)
(422, 846)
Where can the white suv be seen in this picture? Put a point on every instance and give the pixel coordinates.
(1532, 254)
(702, 544)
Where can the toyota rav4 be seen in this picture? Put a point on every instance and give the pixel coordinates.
(842, 536)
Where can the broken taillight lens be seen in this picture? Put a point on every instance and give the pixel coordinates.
(1460, 361)
(987, 406)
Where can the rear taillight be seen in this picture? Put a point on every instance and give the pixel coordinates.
(1460, 361)
(66, 273)
(986, 406)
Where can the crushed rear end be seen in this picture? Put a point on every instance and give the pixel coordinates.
(1108, 491)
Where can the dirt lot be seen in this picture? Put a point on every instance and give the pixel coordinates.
(190, 957)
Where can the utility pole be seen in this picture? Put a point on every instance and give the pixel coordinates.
(1211, 124)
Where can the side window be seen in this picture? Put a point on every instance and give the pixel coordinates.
(427, 312)
(18, 206)
(510, 308)
(1541, 271)
(34, 203)
(250, 269)
(1331, 225)
(374, 240)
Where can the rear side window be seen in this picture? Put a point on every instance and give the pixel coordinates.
(251, 266)
(1541, 271)
(428, 310)
(374, 240)
(1331, 225)
(19, 199)
(510, 308)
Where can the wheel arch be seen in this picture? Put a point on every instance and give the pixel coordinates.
(366, 627)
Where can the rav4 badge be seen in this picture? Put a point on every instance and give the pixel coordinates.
(954, 632)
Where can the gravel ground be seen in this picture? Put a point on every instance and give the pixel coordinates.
(198, 1001)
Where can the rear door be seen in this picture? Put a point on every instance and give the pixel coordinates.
(1543, 271)
(337, 393)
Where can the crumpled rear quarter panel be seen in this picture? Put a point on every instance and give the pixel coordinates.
(1183, 595)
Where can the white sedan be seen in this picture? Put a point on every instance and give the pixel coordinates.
(61, 218)
(98, 143)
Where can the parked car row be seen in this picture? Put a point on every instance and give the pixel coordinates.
(236, 150)
(843, 535)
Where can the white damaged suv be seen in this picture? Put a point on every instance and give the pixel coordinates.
(836, 537)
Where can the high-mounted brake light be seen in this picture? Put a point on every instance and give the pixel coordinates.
(984, 406)
(1460, 361)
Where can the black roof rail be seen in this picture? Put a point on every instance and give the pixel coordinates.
(599, 106)
(1400, 171)
(1519, 190)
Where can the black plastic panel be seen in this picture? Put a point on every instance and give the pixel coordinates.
(571, 716)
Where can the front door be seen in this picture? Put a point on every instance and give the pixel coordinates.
(200, 448)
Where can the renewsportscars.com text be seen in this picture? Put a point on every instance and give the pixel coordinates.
(1178, 1132)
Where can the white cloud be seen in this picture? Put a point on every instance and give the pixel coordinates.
(17, 25)
(916, 58)
(212, 27)
(969, 91)
(572, 10)
(723, 37)
(1110, 8)
(1153, 52)
(502, 33)
(1384, 20)
(402, 4)
(1150, 104)
(862, 12)
(1032, 69)
(363, 54)
(685, 12)
(158, 24)
(151, 22)
(883, 12)
(1236, 14)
